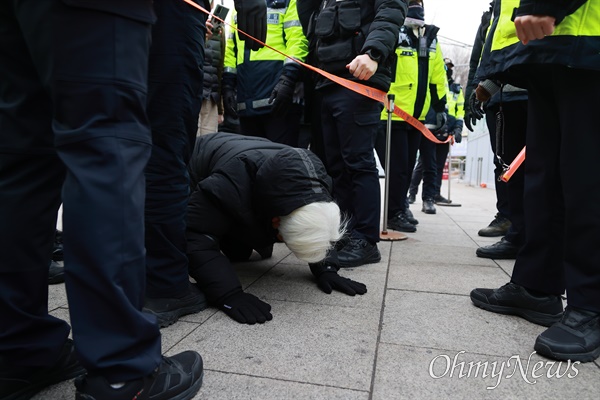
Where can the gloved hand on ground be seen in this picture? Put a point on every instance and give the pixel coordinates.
(246, 308)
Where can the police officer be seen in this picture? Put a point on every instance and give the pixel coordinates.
(420, 83)
(354, 40)
(553, 52)
(265, 80)
(73, 111)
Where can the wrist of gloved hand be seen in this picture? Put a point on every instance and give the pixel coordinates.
(329, 281)
(246, 308)
(282, 94)
(229, 101)
(482, 93)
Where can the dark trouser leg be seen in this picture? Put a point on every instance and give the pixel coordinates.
(501, 188)
(403, 152)
(102, 137)
(441, 155)
(417, 177)
(174, 100)
(562, 141)
(427, 151)
(515, 126)
(350, 124)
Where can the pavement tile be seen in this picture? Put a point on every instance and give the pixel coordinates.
(410, 251)
(57, 296)
(452, 322)
(406, 373)
(311, 343)
(444, 278)
(227, 386)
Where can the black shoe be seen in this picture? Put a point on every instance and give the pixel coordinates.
(428, 207)
(513, 299)
(20, 383)
(576, 337)
(498, 227)
(57, 250)
(439, 199)
(56, 273)
(412, 198)
(400, 223)
(168, 310)
(502, 250)
(358, 252)
(178, 377)
(410, 217)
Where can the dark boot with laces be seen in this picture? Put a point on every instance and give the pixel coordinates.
(400, 223)
(358, 252)
(498, 227)
(428, 207)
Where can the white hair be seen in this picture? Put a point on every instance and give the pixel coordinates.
(311, 230)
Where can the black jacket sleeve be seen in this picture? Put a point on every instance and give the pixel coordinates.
(382, 37)
(558, 9)
(206, 225)
(476, 52)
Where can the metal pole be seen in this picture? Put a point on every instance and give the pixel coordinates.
(388, 145)
(385, 234)
(449, 167)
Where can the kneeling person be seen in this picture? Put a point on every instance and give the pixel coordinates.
(248, 193)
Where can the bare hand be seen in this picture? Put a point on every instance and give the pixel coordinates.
(209, 29)
(362, 67)
(532, 27)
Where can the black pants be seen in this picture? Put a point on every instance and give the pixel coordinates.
(562, 217)
(509, 195)
(281, 128)
(405, 142)
(72, 110)
(430, 189)
(174, 100)
(349, 122)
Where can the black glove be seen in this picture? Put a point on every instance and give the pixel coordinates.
(439, 126)
(229, 101)
(473, 111)
(252, 19)
(282, 94)
(246, 308)
(329, 281)
(457, 133)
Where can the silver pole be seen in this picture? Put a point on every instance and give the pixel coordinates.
(388, 141)
(449, 167)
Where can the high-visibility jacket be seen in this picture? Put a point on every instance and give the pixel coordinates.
(257, 72)
(574, 43)
(455, 101)
(419, 82)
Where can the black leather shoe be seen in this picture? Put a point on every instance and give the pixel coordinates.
(412, 198)
(428, 207)
(576, 337)
(502, 250)
(358, 252)
(168, 310)
(177, 377)
(498, 227)
(439, 199)
(400, 223)
(410, 217)
(18, 383)
(513, 299)
(56, 273)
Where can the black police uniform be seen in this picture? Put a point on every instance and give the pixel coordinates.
(72, 102)
(174, 101)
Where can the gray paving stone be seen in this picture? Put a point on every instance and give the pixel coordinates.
(406, 373)
(227, 386)
(452, 322)
(444, 278)
(311, 343)
(57, 296)
(411, 251)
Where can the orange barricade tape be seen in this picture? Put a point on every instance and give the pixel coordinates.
(506, 175)
(359, 88)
